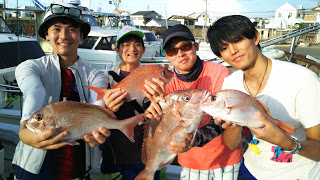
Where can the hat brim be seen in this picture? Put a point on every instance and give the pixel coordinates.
(85, 26)
(133, 32)
(185, 35)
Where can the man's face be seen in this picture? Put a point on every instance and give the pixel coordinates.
(242, 54)
(130, 50)
(186, 55)
(64, 39)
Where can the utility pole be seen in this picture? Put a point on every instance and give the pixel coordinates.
(204, 29)
(4, 12)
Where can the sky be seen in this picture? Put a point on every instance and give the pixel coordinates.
(167, 8)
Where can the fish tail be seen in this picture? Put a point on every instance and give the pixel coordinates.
(101, 91)
(130, 124)
(285, 126)
(143, 175)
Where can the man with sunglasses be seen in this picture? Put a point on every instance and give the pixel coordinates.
(60, 76)
(210, 158)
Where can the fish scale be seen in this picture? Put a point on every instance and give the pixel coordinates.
(240, 108)
(181, 114)
(134, 82)
(79, 119)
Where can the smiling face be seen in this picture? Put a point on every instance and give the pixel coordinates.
(130, 50)
(183, 61)
(241, 54)
(64, 39)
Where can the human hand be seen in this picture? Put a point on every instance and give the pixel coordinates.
(97, 138)
(44, 141)
(180, 147)
(225, 124)
(154, 111)
(270, 132)
(155, 90)
(114, 98)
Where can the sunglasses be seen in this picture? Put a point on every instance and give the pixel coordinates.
(184, 48)
(59, 9)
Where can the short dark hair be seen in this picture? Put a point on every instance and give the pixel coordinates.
(230, 29)
(63, 20)
(137, 38)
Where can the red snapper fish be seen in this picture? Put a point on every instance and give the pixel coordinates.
(134, 82)
(181, 114)
(79, 119)
(240, 108)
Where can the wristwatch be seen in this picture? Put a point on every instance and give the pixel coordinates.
(296, 150)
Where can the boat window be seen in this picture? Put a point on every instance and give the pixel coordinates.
(14, 53)
(149, 37)
(107, 43)
(88, 42)
(89, 19)
(4, 28)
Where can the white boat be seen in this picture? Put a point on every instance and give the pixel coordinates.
(13, 50)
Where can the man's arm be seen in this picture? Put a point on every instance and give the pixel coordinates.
(271, 133)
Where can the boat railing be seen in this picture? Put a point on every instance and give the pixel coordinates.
(290, 35)
(9, 94)
(295, 35)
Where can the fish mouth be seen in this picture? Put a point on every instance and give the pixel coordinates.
(32, 129)
(205, 98)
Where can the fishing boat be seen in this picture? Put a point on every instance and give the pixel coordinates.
(14, 50)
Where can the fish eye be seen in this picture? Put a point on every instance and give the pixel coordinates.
(186, 98)
(163, 72)
(213, 97)
(39, 117)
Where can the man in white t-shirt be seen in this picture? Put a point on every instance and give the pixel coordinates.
(290, 91)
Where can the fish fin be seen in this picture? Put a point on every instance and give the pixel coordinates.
(229, 109)
(100, 91)
(109, 112)
(263, 105)
(72, 142)
(285, 126)
(145, 175)
(130, 124)
(167, 161)
(141, 89)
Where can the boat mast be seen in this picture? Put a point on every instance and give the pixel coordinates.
(116, 8)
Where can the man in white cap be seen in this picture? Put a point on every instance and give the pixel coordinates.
(62, 75)
(121, 157)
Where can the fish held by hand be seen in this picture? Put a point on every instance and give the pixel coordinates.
(181, 115)
(79, 119)
(240, 108)
(134, 82)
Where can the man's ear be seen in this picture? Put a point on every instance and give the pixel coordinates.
(47, 38)
(117, 50)
(81, 36)
(196, 45)
(257, 39)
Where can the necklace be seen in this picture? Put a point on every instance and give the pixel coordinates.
(245, 82)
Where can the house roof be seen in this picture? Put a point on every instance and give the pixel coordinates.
(181, 17)
(143, 13)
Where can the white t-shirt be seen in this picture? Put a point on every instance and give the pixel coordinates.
(292, 95)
